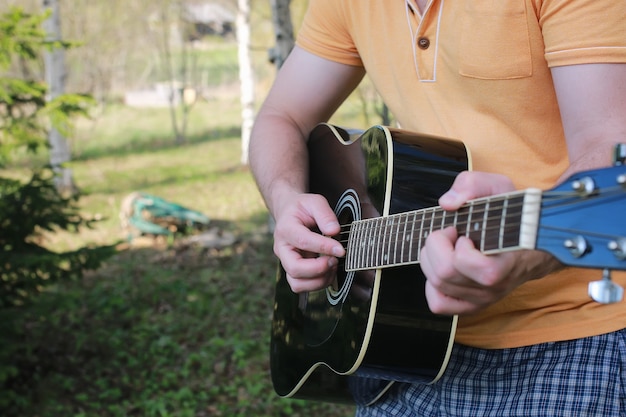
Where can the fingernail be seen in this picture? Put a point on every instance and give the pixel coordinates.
(332, 226)
(449, 198)
(338, 251)
(332, 262)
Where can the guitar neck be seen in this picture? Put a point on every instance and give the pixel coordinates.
(495, 224)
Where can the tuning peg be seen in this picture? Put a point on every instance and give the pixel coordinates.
(577, 246)
(605, 291)
(584, 186)
(618, 247)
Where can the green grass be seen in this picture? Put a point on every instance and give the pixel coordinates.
(162, 329)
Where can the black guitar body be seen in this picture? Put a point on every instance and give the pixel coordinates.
(346, 342)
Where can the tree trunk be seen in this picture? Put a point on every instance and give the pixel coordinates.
(246, 77)
(284, 38)
(168, 63)
(54, 61)
(283, 31)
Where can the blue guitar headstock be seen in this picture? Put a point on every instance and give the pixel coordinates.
(583, 223)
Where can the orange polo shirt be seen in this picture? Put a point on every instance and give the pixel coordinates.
(479, 71)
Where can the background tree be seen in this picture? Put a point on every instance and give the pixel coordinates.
(246, 76)
(54, 62)
(283, 31)
(30, 207)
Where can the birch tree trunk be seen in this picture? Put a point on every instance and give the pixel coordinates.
(246, 76)
(283, 31)
(54, 61)
(284, 38)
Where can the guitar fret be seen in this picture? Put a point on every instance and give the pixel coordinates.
(406, 254)
(382, 251)
(505, 208)
(461, 221)
(373, 243)
(443, 219)
(355, 260)
(370, 242)
(432, 220)
(448, 219)
(395, 239)
(406, 223)
(362, 245)
(469, 220)
(383, 256)
(387, 231)
(484, 228)
(511, 230)
(349, 249)
(391, 220)
(380, 236)
(366, 244)
(426, 223)
(492, 232)
(475, 232)
(419, 238)
(413, 223)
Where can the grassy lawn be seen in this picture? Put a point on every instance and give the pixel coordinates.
(162, 329)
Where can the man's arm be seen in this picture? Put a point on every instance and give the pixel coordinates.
(307, 91)
(592, 100)
(460, 279)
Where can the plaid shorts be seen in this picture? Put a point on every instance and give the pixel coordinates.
(574, 378)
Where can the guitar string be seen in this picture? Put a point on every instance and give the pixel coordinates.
(440, 214)
(437, 219)
(378, 258)
(558, 199)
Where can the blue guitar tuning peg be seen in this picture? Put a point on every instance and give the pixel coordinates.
(618, 247)
(606, 291)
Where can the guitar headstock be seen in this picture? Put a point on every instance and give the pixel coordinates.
(583, 220)
(583, 224)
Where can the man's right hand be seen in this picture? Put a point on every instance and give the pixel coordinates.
(303, 242)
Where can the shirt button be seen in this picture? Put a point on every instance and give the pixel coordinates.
(423, 43)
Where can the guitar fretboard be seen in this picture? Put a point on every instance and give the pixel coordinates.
(495, 224)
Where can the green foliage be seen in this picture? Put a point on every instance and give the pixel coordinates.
(28, 209)
(25, 114)
(20, 125)
(22, 36)
(25, 211)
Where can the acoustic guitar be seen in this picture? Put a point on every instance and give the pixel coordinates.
(372, 326)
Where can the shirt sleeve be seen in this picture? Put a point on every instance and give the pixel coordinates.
(583, 31)
(325, 32)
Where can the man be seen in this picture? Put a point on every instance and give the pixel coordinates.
(537, 91)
